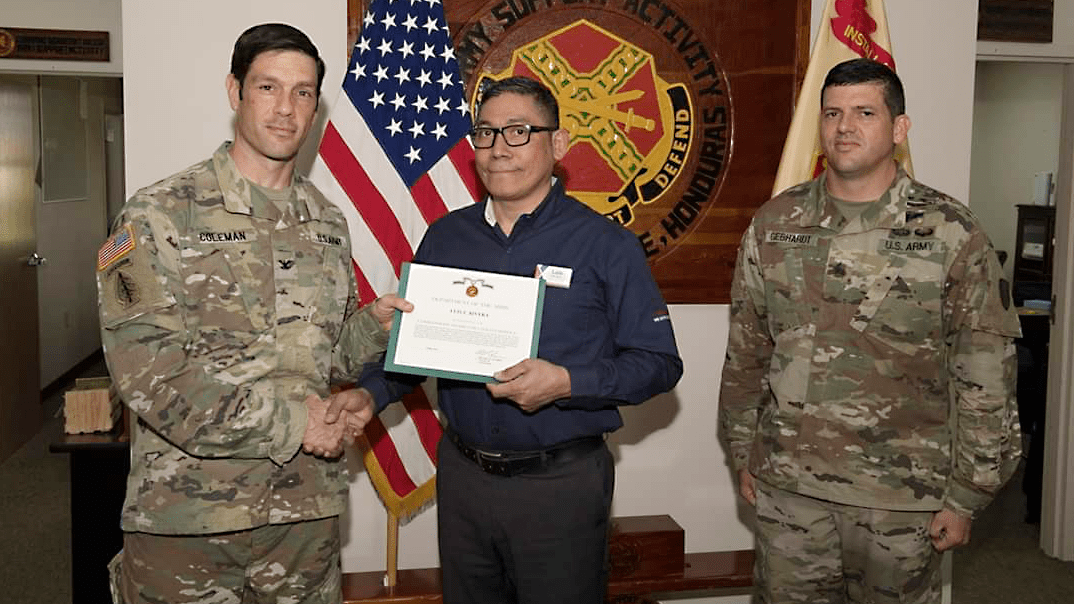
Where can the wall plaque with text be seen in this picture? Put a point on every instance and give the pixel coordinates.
(54, 44)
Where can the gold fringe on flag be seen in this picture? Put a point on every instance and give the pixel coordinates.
(403, 508)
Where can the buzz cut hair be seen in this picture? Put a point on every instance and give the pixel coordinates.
(868, 71)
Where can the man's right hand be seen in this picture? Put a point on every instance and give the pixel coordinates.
(355, 407)
(746, 487)
(322, 438)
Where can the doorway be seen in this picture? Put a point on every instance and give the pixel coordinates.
(72, 213)
(61, 164)
(1023, 125)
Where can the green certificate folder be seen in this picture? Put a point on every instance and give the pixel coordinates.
(466, 324)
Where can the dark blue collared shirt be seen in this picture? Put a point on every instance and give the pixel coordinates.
(610, 328)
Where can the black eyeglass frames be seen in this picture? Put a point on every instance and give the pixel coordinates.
(515, 135)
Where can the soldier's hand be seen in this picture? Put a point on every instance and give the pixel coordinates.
(532, 384)
(949, 529)
(384, 309)
(746, 487)
(322, 439)
(355, 407)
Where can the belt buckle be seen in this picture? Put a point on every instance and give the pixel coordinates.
(493, 463)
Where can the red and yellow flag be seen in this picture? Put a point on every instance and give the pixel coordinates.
(849, 29)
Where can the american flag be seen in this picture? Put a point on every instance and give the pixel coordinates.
(121, 242)
(395, 157)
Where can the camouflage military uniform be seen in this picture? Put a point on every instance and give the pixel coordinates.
(870, 362)
(220, 313)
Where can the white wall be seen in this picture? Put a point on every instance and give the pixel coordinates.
(1017, 109)
(176, 56)
(90, 15)
(669, 461)
(934, 47)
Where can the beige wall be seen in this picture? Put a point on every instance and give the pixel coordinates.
(1017, 108)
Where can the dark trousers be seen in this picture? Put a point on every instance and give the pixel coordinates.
(525, 539)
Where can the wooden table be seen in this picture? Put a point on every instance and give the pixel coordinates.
(1033, 401)
(702, 571)
(99, 465)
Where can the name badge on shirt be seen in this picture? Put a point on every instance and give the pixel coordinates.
(236, 236)
(905, 244)
(329, 240)
(555, 276)
(802, 239)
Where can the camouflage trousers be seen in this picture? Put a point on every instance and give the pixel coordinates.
(818, 552)
(296, 563)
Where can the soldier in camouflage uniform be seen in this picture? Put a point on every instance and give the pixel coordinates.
(228, 310)
(867, 399)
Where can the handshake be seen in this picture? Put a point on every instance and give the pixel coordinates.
(336, 421)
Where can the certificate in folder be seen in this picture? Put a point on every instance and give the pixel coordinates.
(466, 324)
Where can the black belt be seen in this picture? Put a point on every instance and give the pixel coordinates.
(511, 463)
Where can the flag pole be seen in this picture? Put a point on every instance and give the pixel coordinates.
(393, 550)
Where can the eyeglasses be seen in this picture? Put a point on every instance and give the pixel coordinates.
(515, 135)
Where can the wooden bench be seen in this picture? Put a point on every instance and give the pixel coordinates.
(646, 558)
(702, 571)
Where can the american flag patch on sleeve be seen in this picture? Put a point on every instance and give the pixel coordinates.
(117, 246)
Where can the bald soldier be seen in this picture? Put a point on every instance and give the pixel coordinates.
(228, 310)
(867, 398)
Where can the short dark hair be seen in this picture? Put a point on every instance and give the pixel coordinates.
(271, 36)
(524, 86)
(868, 71)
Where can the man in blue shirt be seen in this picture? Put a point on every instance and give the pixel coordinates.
(525, 480)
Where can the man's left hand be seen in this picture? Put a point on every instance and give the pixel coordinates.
(384, 309)
(532, 384)
(949, 529)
